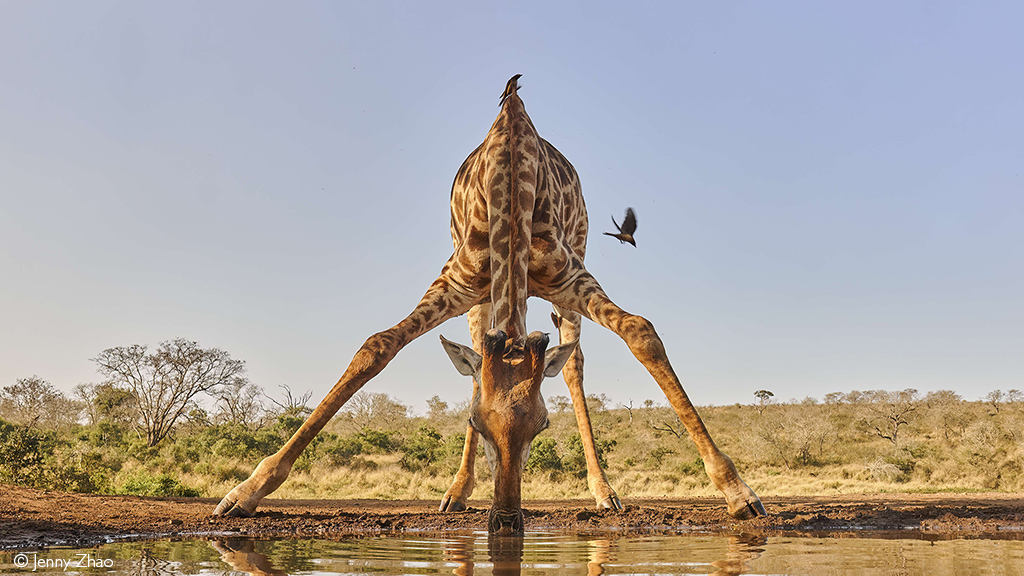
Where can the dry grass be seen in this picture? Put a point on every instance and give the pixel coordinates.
(795, 449)
(798, 449)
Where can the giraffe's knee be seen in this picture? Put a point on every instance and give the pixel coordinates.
(640, 335)
(376, 352)
(633, 326)
(574, 367)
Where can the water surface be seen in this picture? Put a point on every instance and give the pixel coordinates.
(536, 553)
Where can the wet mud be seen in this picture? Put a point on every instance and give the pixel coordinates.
(38, 518)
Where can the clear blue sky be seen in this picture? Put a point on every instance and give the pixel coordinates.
(830, 196)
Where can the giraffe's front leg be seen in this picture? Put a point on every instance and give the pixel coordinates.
(457, 496)
(268, 476)
(583, 294)
(444, 299)
(569, 327)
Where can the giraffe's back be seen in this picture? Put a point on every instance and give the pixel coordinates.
(519, 223)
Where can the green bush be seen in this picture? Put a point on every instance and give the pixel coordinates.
(694, 467)
(77, 470)
(422, 450)
(105, 433)
(229, 441)
(657, 456)
(575, 459)
(24, 452)
(544, 456)
(340, 451)
(144, 484)
(379, 441)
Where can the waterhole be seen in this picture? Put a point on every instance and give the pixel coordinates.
(536, 553)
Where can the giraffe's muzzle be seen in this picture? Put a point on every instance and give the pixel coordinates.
(505, 522)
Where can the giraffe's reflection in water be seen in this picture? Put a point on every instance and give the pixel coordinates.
(508, 556)
(242, 556)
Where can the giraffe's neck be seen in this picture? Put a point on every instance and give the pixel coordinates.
(511, 185)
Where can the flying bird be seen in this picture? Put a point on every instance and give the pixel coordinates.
(627, 229)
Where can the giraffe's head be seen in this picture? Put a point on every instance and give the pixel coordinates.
(508, 410)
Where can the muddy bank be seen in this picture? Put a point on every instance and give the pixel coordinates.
(35, 518)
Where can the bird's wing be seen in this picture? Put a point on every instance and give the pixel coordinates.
(629, 224)
(617, 227)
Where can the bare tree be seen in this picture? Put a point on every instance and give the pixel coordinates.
(888, 412)
(994, 399)
(629, 409)
(165, 380)
(559, 403)
(833, 398)
(239, 403)
(667, 426)
(946, 410)
(771, 432)
(597, 402)
(436, 408)
(292, 405)
(374, 410)
(33, 399)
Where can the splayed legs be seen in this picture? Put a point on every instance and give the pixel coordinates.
(444, 299)
(569, 327)
(456, 497)
(584, 295)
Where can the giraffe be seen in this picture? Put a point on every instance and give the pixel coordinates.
(519, 229)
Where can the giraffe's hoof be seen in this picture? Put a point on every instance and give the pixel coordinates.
(610, 503)
(451, 505)
(751, 510)
(229, 507)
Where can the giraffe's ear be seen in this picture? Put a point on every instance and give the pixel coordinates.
(556, 357)
(465, 359)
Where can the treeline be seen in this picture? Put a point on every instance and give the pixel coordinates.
(145, 431)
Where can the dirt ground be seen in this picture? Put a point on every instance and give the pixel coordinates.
(37, 518)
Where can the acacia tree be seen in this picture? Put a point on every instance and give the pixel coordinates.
(764, 399)
(887, 412)
(165, 380)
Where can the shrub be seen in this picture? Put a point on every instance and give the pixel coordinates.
(233, 441)
(378, 441)
(544, 456)
(657, 457)
(575, 459)
(23, 454)
(340, 451)
(694, 467)
(422, 450)
(74, 470)
(144, 484)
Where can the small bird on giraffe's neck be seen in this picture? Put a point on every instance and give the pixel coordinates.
(510, 89)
